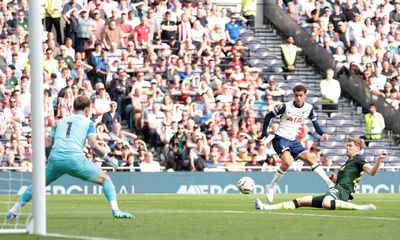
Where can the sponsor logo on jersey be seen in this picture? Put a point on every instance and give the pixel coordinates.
(294, 119)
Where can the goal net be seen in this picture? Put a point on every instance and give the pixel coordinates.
(12, 184)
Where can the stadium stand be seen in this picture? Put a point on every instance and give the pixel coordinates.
(170, 92)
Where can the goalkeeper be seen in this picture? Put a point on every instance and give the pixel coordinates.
(346, 181)
(66, 141)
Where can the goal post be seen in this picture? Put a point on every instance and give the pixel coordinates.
(37, 99)
(37, 224)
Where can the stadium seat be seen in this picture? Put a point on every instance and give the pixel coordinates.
(296, 78)
(333, 152)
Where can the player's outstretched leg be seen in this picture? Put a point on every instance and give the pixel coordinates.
(271, 187)
(24, 199)
(111, 195)
(339, 204)
(286, 161)
(285, 205)
(317, 169)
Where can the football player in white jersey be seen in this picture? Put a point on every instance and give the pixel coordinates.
(292, 115)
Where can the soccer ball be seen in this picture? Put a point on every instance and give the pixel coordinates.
(246, 185)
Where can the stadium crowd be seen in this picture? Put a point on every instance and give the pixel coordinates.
(169, 80)
(362, 35)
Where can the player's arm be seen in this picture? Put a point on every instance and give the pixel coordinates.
(99, 150)
(102, 152)
(49, 139)
(372, 170)
(267, 119)
(316, 125)
(96, 148)
(333, 177)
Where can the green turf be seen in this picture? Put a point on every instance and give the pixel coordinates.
(216, 217)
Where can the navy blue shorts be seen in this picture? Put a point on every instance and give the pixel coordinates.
(281, 144)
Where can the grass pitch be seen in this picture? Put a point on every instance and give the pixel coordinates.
(219, 217)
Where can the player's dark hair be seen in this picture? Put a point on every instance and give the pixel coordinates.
(81, 102)
(359, 142)
(300, 88)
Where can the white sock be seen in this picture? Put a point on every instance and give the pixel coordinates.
(16, 208)
(284, 205)
(351, 206)
(277, 177)
(114, 205)
(322, 174)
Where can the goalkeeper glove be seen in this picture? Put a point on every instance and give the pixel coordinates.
(112, 162)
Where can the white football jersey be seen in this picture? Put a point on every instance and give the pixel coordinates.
(292, 118)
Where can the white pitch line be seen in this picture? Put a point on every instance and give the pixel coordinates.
(74, 237)
(266, 212)
(270, 212)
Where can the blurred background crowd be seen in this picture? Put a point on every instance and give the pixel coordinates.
(170, 84)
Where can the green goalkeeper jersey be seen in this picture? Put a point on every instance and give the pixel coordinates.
(350, 173)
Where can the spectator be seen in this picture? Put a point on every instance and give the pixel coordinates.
(85, 27)
(293, 12)
(111, 116)
(200, 17)
(249, 11)
(393, 99)
(327, 162)
(14, 114)
(20, 21)
(316, 151)
(148, 164)
(394, 16)
(198, 155)
(70, 16)
(337, 16)
(305, 137)
(374, 124)
(232, 28)
(243, 156)
(102, 67)
(49, 63)
(270, 164)
(168, 27)
(217, 34)
(53, 17)
(253, 165)
(141, 152)
(289, 54)
(184, 28)
(232, 165)
(154, 25)
(174, 158)
(141, 33)
(330, 91)
(273, 90)
(213, 164)
(113, 34)
(66, 101)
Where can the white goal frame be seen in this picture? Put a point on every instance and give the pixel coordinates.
(38, 138)
(38, 225)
